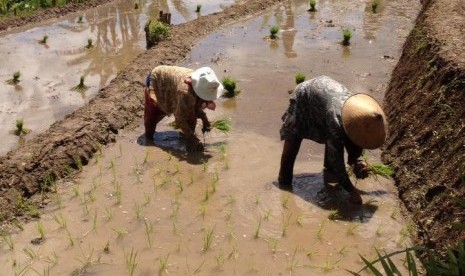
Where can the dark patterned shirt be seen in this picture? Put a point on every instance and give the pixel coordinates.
(315, 113)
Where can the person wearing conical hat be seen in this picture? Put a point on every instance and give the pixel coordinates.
(323, 110)
(185, 93)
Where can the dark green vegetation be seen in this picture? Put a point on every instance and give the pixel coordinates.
(44, 39)
(374, 6)
(230, 87)
(21, 7)
(20, 129)
(274, 31)
(81, 86)
(346, 36)
(16, 76)
(223, 125)
(89, 43)
(312, 4)
(299, 77)
(155, 32)
(197, 9)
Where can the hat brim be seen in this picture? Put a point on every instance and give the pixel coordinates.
(206, 95)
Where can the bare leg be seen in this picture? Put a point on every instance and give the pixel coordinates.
(152, 115)
(290, 151)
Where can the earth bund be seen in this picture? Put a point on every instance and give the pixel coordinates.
(425, 107)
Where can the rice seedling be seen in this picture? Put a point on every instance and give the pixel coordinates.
(136, 6)
(231, 200)
(205, 166)
(148, 232)
(191, 177)
(148, 199)
(234, 254)
(285, 201)
(311, 254)
(343, 250)
(273, 244)
(374, 6)
(228, 215)
(106, 248)
(90, 43)
(41, 230)
(30, 253)
(94, 221)
(379, 230)
(20, 129)
(299, 77)
(16, 76)
(203, 209)
(286, 222)
(206, 194)
(81, 86)
(394, 214)
(352, 229)
(118, 193)
(328, 266)
(346, 36)
(220, 258)
(18, 269)
(334, 215)
(382, 170)
(198, 7)
(163, 265)
(257, 199)
(120, 232)
(293, 263)
(207, 239)
(44, 39)
(53, 259)
(9, 241)
(131, 263)
(267, 215)
(299, 220)
(137, 211)
(174, 209)
(312, 4)
(319, 233)
(257, 230)
(274, 31)
(176, 168)
(229, 85)
(80, 19)
(70, 238)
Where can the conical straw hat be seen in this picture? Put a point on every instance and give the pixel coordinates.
(364, 121)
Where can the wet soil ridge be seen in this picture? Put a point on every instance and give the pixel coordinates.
(48, 13)
(425, 105)
(70, 143)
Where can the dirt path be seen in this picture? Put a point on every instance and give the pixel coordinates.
(7, 23)
(72, 142)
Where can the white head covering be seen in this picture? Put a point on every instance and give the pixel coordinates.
(206, 85)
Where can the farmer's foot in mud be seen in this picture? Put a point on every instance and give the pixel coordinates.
(194, 146)
(285, 182)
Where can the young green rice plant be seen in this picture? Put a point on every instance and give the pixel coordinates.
(311, 254)
(16, 76)
(206, 194)
(231, 200)
(229, 85)
(329, 266)
(203, 209)
(266, 217)
(30, 253)
(90, 43)
(41, 230)
(120, 232)
(198, 7)
(394, 214)
(9, 241)
(70, 238)
(163, 265)
(343, 250)
(204, 166)
(285, 201)
(334, 215)
(191, 178)
(20, 129)
(220, 258)
(19, 269)
(286, 222)
(379, 230)
(257, 230)
(319, 233)
(157, 31)
(352, 229)
(118, 193)
(148, 199)
(374, 6)
(274, 31)
(293, 263)
(273, 244)
(382, 170)
(137, 211)
(131, 262)
(53, 259)
(299, 77)
(207, 239)
(223, 125)
(106, 248)
(44, 39)
(312, 4)
(136, 6)
(81, 86)
(76, 191)
(80, 19)
(299, 220)
(148, 232)
(257, 199)
(346, 36)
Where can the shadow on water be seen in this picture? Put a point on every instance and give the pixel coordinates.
(311, 188)
(173, 143)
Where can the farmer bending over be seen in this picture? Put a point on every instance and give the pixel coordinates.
(184, 93)
(324, 111)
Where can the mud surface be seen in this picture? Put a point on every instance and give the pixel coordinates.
(425, 106)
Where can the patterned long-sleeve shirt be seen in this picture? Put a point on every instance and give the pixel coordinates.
(174, 96)
(315, 113)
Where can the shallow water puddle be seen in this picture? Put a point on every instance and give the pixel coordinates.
(160, 210)
(50, 71)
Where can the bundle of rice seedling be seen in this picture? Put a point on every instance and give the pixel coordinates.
(381, 169)
(223, 125)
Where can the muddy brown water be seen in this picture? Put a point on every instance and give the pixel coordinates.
(50, 71)
(154, 203)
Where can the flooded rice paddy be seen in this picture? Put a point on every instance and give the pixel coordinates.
(50, 70)
(148, 209)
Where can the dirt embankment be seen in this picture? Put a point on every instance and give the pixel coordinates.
(9, 22)
(74, 140)
(425, 104)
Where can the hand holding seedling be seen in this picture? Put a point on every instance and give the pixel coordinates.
(361, 169)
